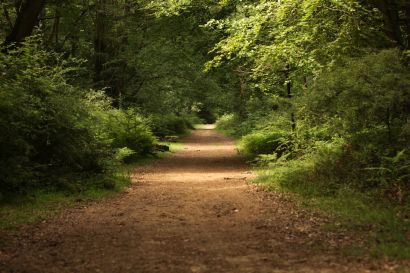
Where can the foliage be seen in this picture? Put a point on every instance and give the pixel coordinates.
(130, 130)
(351, 130)
(367, 102)
(228, 123)
(51, 129)
(266, 142)
(171, 124)
(45, 121)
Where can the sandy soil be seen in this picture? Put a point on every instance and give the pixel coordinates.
(191, 212)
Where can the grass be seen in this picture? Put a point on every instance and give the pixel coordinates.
(40, 205)
(228, 132)
(382, 226)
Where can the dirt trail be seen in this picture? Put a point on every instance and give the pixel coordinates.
(191, 212)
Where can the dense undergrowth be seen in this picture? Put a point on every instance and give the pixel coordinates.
(349, 152)
(59, 137)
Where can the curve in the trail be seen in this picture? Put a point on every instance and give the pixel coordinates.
(191, 212)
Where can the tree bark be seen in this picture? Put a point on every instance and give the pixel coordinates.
(99, 41)
(407, 20)
(53, 38)
(27, 19)
(391, 19)
(292, 114)
(290, 95)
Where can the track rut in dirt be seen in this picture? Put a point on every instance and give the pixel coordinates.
(191, 212)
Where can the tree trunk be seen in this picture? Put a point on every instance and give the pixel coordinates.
(290, 95)
(53, 38)
(99, 41)
(391, 19)
(292, 115)
(407, 20)
(27, 19)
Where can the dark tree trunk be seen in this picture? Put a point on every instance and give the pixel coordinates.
(290, 95)
(17, 5)
(292, 115)
(27, 19)
(407, 20)
(391, 19)
(99, 41)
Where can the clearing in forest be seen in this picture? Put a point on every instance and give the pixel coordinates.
(192, 212)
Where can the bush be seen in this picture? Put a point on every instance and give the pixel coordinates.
(367, 98)
(229, 123)
(266, 142)
(46, 125)
(171, 124)
(125, 128)
(367, 102)
(322, 170)
(54, 134)
(129, 130)
(352, 130)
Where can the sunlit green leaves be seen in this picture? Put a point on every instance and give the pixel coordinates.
(306, 35)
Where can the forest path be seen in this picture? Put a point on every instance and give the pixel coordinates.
(191, 212)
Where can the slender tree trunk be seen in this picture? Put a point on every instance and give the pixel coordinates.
(292, 114)
(407, 20)
(99, 41)
(27, 19)
(290, 95)
(53, 38)
(305, 84)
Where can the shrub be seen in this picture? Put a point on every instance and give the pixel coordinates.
(266, 142)
(367, 98)
(54, 134)
(46, 125)
(129, 130)
(229, 123)
(367, 102)
(323, 169)
(352, 130)
(171, 124)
